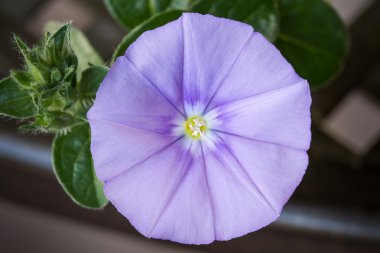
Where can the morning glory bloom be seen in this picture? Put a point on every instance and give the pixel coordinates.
(200, 131)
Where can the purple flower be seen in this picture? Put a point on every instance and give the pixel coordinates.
(200, 131)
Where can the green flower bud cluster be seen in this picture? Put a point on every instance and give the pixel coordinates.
(49, 78)
(52, 93)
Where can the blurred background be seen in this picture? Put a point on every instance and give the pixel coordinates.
(335, 209)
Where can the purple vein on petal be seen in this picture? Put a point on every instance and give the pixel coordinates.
(269, 92)
(257, 140)
(142, 161)
(173, 192)
(209, 192)
(252, 182)
(184, 39)
(183, 67)
(126, 126)
(228, 71)
(155, 86)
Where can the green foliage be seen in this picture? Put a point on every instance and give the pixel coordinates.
(48, 93)
(73, 166)
(91, 79)
(15, 102)
(84, 51)
(48, 78)
(47, 90)
(130, 13)
(89, 84)
(152, 23)
(312, 38)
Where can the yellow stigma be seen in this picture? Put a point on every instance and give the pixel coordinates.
(195, 127)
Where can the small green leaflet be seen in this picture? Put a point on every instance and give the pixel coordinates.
(15, 102)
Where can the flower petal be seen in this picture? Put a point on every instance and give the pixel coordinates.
(162, 199)
(116, 148)
(281, 117)
(141, 193)
(239, 205)
(188, 217)
(211, 46)
(158, 55)
(126, 97)
(237, 177)
(259, 68)
(276, 170)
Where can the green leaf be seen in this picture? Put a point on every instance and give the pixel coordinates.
(31, 62)
(91, 79)
(312, 38)
(73, 166)
(152, 23)
(130, 13)
(59, 41)
(21, 46)
(87, 88)
(15, 102)
(262, 15)
(24, 79)
(83, 49)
